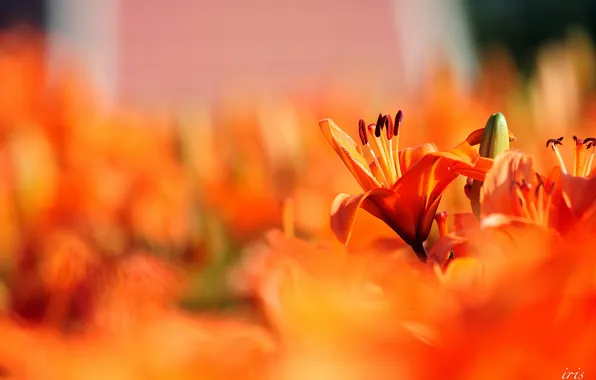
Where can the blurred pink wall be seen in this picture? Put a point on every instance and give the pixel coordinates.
(185, 49)
(188, 50)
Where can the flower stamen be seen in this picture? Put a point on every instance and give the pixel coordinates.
(554, 143)
(578, 156)
(362, 132)
(591, 145)
(522, 203)
(370, 155)
(389, 146)
(539, 195)
(583, 155)
(533, 200)
(377, 152)
(398, 118)
(382, 123)
(380, 148)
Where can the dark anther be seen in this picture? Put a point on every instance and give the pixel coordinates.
(525, 186)
(379, 119)
(389, 126)
(362, 132)
(577, 140)
(468, 190)
(554, 142)
(514, 184)
(398, 118)
(540, 184)
(379, 125)
(590, 142)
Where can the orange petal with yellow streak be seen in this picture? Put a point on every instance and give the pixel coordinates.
(409, 207)
(424, 183)
(347, 150)
(410, 156)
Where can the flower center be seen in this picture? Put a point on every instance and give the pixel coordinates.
(380, 147)
(583, 155)
(533, 200)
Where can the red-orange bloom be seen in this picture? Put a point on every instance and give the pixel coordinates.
(402, 187)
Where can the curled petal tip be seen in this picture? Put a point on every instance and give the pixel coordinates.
(324, 121)
(343, 214)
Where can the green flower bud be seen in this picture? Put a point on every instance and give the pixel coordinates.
(495, 140)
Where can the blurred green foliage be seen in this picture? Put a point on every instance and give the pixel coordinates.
(522, 26)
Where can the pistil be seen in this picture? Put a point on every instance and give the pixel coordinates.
(441, 219)
(398, 119)
(579, 156)
(369, 153)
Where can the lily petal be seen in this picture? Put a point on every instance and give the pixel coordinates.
(347, 150)
(502, 220)
(439, 252)
(410, 156)
(579, 194)
(465, 222)
(424, 183)
(479, 170)
(503, 234)
(508, 167)
(381, 203)
(464, 273)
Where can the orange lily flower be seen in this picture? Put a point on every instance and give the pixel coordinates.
(402, 187)
(577, 187)
(514, 200)
(517, 203)
(513, 188)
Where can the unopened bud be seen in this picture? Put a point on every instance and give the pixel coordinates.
(495, 140)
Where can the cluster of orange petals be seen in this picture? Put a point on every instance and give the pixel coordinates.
(108, 217)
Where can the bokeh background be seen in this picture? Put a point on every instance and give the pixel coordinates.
(146, 146)
(217, 60)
